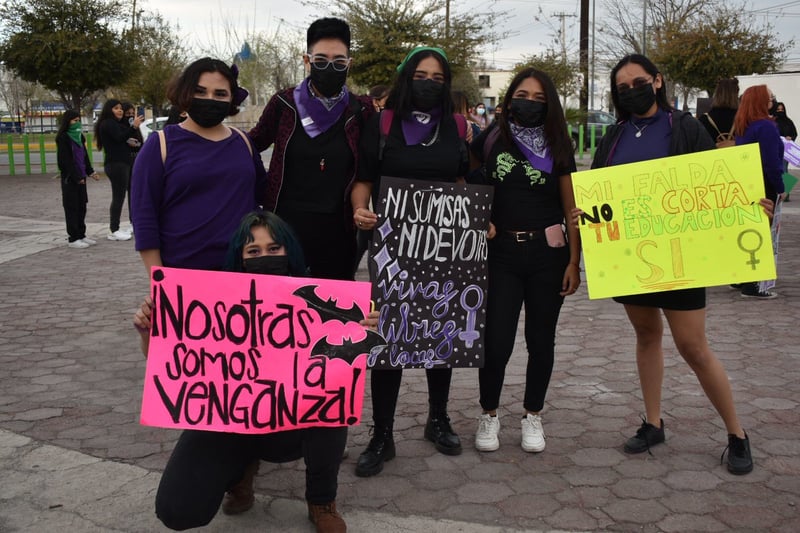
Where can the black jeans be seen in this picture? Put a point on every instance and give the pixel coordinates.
(385, 387)
(74, 199)
(205, 464)
(529, 272)
(119, 174)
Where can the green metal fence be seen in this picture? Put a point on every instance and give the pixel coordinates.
(32, 151)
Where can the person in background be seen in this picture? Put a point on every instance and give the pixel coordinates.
(135, 143)
(206, 466)
(379, 94)
(479, 116)
(650, 129)
(75, 167)
(530, 261)
(112, 132)
(461, 106)
(314, 130)
(719, 119)
(787, 130)
(423, 143)
(753, 124)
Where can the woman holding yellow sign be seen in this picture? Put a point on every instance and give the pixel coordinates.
(650, 129)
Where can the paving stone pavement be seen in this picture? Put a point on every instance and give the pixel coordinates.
(73, 456)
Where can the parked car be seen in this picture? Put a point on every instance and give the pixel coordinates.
(599, 120)
(146, 127)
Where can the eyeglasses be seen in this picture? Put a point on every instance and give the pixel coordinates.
(321, 62)
(637, 83)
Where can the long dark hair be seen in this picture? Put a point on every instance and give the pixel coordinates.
(106, 114)
(555, 125)
(281, 233)
(400, 96)
(68, 116)
(650, 68)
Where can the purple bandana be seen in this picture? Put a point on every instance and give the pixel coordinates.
(315, 116)
(533, 145)
(419, 127)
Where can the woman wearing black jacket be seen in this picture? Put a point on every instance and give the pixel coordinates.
(74, 164)
(112, 134)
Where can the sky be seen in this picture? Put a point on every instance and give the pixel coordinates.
(527, 30)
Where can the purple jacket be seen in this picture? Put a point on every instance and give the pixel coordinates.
(765, 133)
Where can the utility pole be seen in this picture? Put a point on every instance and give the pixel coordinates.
(594, 60)
(644, 27)
(584, 57)
(447, 20)
(563, 33)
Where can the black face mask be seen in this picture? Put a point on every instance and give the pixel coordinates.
(638, 100)
(276, 265)
(780, 114)
(426, 94)
(207, 112)
(327, 81)
(528, 113)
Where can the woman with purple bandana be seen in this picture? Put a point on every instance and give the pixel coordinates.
(314, 129)
(423, 143)
(529, 161)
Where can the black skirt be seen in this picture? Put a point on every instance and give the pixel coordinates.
(680, 300)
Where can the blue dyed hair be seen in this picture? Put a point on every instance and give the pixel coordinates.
(281, 233)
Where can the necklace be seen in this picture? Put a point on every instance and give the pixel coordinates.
(435, 136)
(639, 130)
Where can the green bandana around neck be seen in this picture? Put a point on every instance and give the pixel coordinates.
(74, 132)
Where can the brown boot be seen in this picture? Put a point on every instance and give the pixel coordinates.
(241, 498)
(326, 518)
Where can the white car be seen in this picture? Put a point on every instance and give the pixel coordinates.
(146, 127)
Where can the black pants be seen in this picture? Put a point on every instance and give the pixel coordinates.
(74, 199)
(529, 272)
(120, 176)
(328, 244)
(385, 387)
(205, 464)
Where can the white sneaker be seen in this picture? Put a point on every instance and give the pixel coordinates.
(119, 235)
(532, 433)
(89, 241)
(128, 229)
(78, 244)
(486, 437)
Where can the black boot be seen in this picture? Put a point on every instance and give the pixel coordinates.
(438, 431)
(379, 449)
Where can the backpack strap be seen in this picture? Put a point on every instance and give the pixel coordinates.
(491, 138)
(385, 123)
(461, 125)
(714, 124)
(245, 138)
(162, 140)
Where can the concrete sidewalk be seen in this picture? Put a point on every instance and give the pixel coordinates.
(73, 457)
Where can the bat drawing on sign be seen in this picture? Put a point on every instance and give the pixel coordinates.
(327, 309)
(348, 350)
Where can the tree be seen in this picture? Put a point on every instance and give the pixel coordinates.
(273, 63)
(722, 47)
(159, 57)
(384, 31)
(566, 75)
(626, 23)
(72, 47)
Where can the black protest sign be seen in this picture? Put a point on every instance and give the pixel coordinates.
(429, 273)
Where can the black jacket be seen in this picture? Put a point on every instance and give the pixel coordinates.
(688, 136)
(66, 159)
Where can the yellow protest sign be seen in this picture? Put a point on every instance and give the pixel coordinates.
(674, 223)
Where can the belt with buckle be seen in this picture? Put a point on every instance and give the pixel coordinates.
(524, 236)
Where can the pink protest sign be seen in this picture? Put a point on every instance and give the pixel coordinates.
(245, 353)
